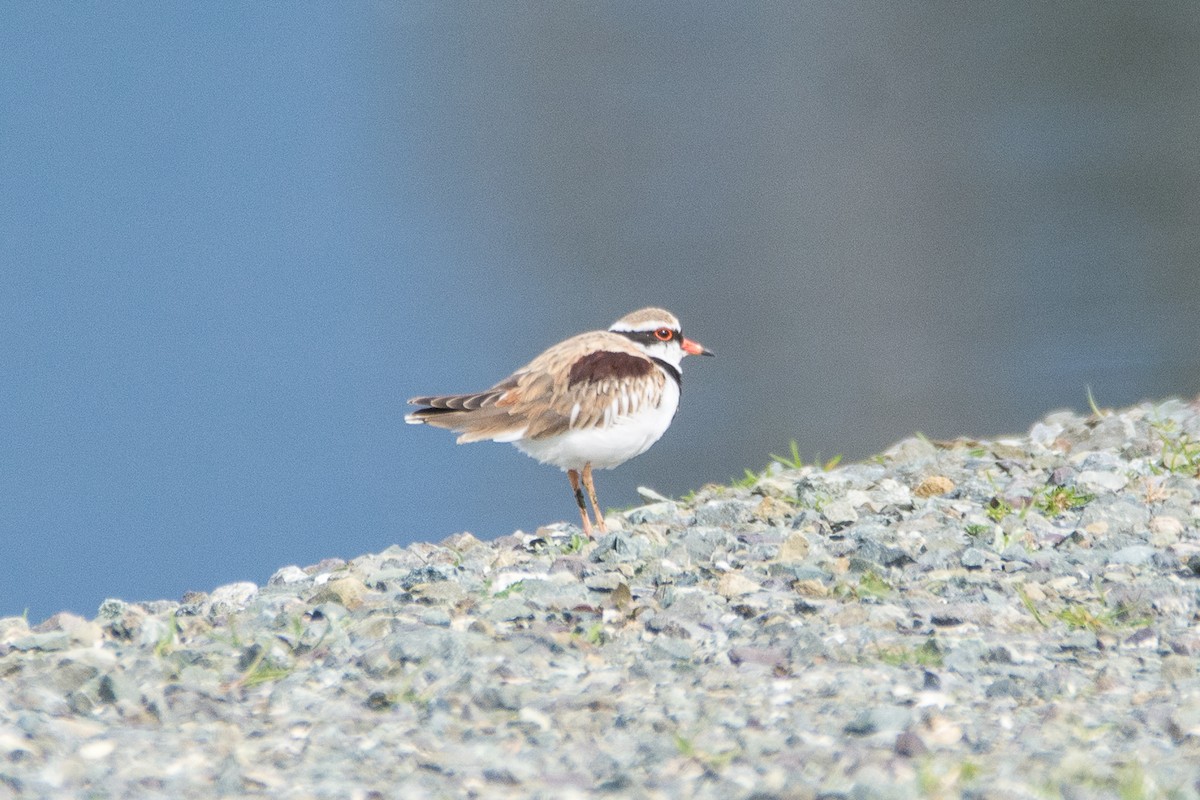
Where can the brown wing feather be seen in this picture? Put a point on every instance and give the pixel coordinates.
(589, 370)
(603, 365)
(464, 412)
(603, 384)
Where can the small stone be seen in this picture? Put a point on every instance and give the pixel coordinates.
(1121, 513)
(891, 718)
(535, 717)
(506, 697)
(862, 725)
(909, 745)
(571, 565)
(1143, 638)
(723, 513)
(772, 511)
(840, 512)
(1137, 554)
(933, 486)
(943, 731)
(875, 552)
(1003, 687)
(349, 591)
(811, 587)
(651, 496)
(618, 548)
(46, 642)
(440, 593)
(97, 750)
(912, 449)
(795, 548)
(1098, 482)
(118, 688)
(776, 486)
(734, 584)
(1062, 476)
(329, 611)
(80, 631)
(461, 542)
(12, 628)
(379, 701)
(604, 581)
(776, 657)
(889, 493)
(1165, 531)
(510, 608)
(1034, 592)
(703, 543)
(424, 575)
(1184, 722)
(112, 608)
(500, 775)
(229, 599)
(653, 512)
(1045, 434)
(973, 558)
(419, 644)
(154, 631)
(1079, 641)
(437, 617)
(287, 576)
(998, 655)
(1177, 669)
(948, 617)
(670, 648)
(70, 675)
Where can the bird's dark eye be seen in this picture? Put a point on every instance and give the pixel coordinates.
(664, 334)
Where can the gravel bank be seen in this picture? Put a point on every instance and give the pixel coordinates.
(1017, 618)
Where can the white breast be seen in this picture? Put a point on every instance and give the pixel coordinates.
(624, 436)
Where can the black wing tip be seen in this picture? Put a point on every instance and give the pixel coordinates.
(456, 402)
(422, 414)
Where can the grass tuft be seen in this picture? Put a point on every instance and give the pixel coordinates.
(998, 509)
(926, 655)
(792, 460)
(516, 587)
(1060, 499)
(1027, 601)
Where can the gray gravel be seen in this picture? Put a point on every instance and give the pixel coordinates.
(1014, 618)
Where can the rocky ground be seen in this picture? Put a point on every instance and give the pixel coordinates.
(1016, 618)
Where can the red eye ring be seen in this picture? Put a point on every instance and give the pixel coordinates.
(664, 334)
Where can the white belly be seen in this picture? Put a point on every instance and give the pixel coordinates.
(609, 446)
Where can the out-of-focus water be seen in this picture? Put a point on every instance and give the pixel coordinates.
(884, 218)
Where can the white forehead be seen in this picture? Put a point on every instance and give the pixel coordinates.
(646, 319)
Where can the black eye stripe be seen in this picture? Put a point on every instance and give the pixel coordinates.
(649, 337)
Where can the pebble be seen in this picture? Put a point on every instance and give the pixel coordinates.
(840, 512)
(734, 584)
(937, 622)
(1097, 481)
(933, 486)
(973, 558)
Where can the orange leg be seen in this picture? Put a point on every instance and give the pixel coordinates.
(591, 490)
(573, 476)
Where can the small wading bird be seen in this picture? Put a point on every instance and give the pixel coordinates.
(593, 401)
